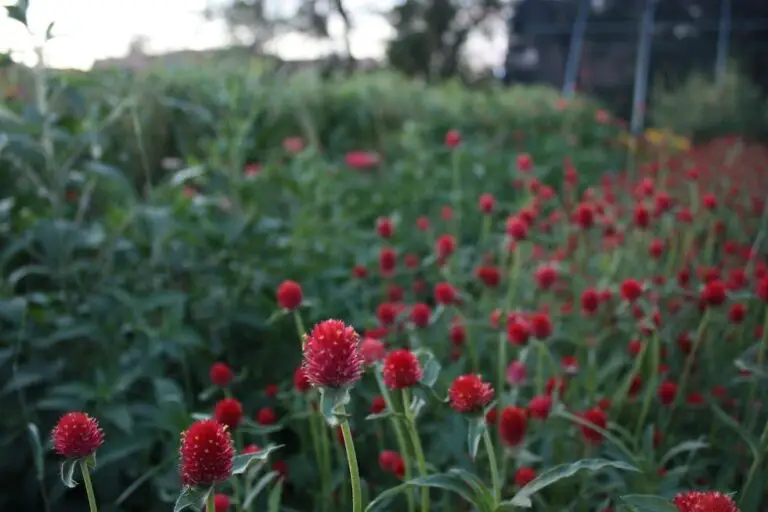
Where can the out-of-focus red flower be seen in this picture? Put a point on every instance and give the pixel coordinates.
(289, 295)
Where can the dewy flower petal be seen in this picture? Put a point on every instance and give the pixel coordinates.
(206, 454)
(332, 356)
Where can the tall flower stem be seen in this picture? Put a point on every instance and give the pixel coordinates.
(418, 451)
(495, 480)
(400, 437)
(211, 505)
(88, 486)
(354, 474)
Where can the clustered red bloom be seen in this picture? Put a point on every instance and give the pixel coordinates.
(221, 375)
(300, 380)
(372, 351)
(469, 394)
(597, 417)
(391, 462)
(401, 369)
(524, 475)
(332, 356)
(221, 502)
(229, 412)
(77, 435)
(513, 425)
(289, 295)
(207, 454)
(266, 416)
(709, 501)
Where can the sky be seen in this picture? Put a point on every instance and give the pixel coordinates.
(88, 30)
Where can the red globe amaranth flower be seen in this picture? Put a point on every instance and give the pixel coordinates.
(524, 475)
(667, 392)
(384, 227)
(77, 435)
(206, 454)
(387, 261)
(271, 390)
(386, 313)
(489, 275)
(541, 325)
(221, 375)
(714, 293)
(445, 293)
(513, 424)
(332, 356)
(708, 501)
(221, 502)
(452, 138)
(486, 203)
(300, 380)
(590, 301)
(445, 246)
(266, 416)
(362, 160)
(457, 333)
(401, 369)
(378, 405)
(420, 314)
(584, 216)
(372, 351)
(251, 448)
(391, 462)
(469, 394)
(545, 276)
(516, 373)
(289, 295)
(631, 290)
(518, 330)
(597, 417)
(737, 313)
(281, 467)
(524, 162)
(762, 289)
(516, 228)
(229, 412)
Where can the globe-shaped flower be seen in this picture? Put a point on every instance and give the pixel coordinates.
(229, 412)
(696, 501)
(469, 394)
(332, 357)
(401, 369)
(77, 435)
(206, 454)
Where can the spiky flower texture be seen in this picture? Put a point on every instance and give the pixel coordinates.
(332, 357)
(696, 501)
(206, 453)
(77, 435)
(469, 394)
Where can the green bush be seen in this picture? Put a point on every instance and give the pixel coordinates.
(704, 109)
(124, 277)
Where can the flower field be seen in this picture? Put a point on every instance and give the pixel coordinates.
(245, 293)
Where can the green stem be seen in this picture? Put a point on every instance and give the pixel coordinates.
(755, 378)
(325, 446)
(88, 486)
(418, 451)
(494, 467)
(755, 464)
(354, 475)
(402, 445)
(655, 362)
(211, 507)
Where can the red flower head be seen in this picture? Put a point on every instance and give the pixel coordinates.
(387, 261)
(229, 412)
(524, 162)
(516, 228)
(401, 369)
(631, 289)
(372, 351)
(289, 295)
(76, 435)
(524, 475)
(266, 416)
(762, 289)
(545, 276)
(489, 275)
(539, 407)
(420, 314)
(598, 418)
(362, 160)
(513, 424)
(709, 501)
(221, 502)
(385, 227)
(590, 301)
(300, 381)
(667, 392)
(469, 394)
(378, 405)
(452, 138)
(332, 356)
(206, 454)
(221, 375)
(386, 313)
(737, 313)
(541, 325)
(392, 462)
(714, 293)
(486, 203)
(445, 246)
(584, 216)
(251, 448)
(518, 330)
(445, 293)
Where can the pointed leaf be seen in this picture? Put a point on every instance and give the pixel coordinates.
(37, 451)
(275, 497)
(192, 497)
(684, 447)
(446, 481)
(553, 475)
(648, 503)
(243, 462)
(18, 12)
(386, 413)
(67, 472)
(330, 401)
(475, 431)
(431, 372)
(260, 486)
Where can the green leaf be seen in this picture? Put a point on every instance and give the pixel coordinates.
(275, 497)
(37, 451)
(192, 497)
(18, 12)
(648, 503)
(684, 447)
(67, 472)
(431, 372)
(260, 486)
(243, 462)
(386, 413)
(330, 401)
(451, 482)
(187, 174)
(553, 475)
(475, 431)
(734, 425)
